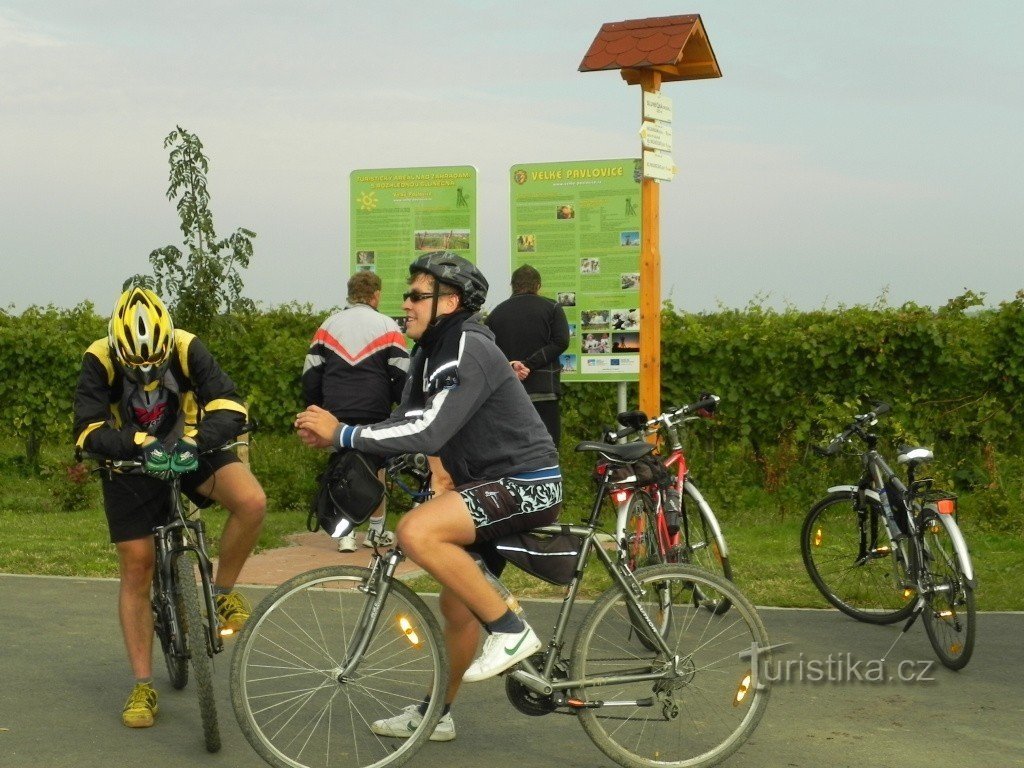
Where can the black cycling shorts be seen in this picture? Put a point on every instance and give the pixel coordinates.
(136, 504)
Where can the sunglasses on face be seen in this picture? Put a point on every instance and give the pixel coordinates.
(416, 297)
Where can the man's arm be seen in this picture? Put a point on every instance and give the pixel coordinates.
(313, 371)
(223, 412)
(558, 341)
(94, 428)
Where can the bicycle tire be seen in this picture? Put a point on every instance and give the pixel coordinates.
(172, 646)
(641, 531)
(695, 718)
(865, 582)
(950, 616)
(701, 544)
(198, 648)
(284, 688)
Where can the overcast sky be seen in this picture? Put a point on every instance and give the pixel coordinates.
(850, 150)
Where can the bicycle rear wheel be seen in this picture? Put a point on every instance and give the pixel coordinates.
(713, 693)
(172, 646)
(949, 616)
(198, 647)
(847, 554)
(285, 667)
(701, 543)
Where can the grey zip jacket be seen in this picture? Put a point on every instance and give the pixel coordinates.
(482, 425)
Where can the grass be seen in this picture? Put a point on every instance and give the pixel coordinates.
(38, 537)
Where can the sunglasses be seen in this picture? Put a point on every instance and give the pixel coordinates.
(415, 296)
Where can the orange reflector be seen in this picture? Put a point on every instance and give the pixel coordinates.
(226, 631)
(620, 496)
(946, 506)
(410, 634)
(955, 648)
(908, 592)
(741, 691)
(817, 538)
(945, 614)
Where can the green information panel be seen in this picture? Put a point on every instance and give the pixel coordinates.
(578, 223)
(397, 213)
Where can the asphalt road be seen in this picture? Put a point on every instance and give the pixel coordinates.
(63, 680)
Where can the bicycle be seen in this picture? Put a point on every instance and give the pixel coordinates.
(334, 649)
(179, 612)
(654, 523)
(882, 552)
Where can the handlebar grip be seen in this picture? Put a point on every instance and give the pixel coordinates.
(882, 408)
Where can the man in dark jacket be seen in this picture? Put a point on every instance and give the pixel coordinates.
(532, 332)
(463, 403)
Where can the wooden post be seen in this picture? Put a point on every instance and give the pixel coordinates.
(650, 279)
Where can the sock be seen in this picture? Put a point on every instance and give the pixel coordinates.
(508, 622)
(376, 524)
(144, 681)
(422, 707)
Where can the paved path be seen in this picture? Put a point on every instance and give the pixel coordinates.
(63, 679)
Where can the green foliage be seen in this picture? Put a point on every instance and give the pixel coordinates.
(207, 282)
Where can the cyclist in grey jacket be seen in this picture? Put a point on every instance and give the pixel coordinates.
(463, 402)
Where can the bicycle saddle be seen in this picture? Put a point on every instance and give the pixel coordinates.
(914, 456)
(625, 454)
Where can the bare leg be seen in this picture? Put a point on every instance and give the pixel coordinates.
(461, 635)
(234, 487)
(136, 560)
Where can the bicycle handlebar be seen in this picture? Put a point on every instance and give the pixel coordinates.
(105, 462)
(856, 427)
(703, 408)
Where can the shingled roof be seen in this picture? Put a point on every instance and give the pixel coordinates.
(676, 46)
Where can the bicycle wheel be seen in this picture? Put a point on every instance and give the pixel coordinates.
(701, 543)
(714, 690)
(949, 616)
(198, 648)
(641, 532)
(166, 630)
(848, 556)
(285, 689)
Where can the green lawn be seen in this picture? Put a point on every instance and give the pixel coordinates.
(37, 537)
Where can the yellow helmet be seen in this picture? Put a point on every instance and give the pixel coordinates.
(141, 335)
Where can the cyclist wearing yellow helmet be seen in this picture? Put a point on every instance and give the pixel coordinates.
(154, 392)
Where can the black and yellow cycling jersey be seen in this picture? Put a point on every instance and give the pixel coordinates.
(194, 397)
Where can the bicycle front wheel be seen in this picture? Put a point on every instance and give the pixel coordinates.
(198, 647)
(641, 532)
(701, 543)
(167, 630)
(286, 687)
(848, 556)
(949, 616)
(710, 693)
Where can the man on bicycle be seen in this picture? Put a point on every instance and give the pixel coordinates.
(150, 392)
(463, 402)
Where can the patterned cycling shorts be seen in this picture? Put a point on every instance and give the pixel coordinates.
(515, 503)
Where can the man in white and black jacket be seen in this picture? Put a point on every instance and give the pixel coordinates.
(462, 402)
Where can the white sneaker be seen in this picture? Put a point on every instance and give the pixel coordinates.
(501, 651)
(347, 543)
(404, 725)
(383, 538)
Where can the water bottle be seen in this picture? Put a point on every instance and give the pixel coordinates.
(501, 589)
(673, 508)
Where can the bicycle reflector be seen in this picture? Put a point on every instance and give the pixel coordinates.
(817, 537)
(946, 506)
(741, 690)
(410, 633)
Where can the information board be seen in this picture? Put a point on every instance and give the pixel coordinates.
(578, 224)
(397, 213)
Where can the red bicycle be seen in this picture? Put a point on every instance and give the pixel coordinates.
(664, 518)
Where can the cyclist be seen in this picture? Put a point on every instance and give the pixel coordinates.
(151, 392)
(463, 402)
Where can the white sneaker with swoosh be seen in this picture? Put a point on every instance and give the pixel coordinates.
(404, 725)
(501, 651)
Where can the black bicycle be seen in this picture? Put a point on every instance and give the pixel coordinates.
(184, 618)
(883, 551)
(655, 680)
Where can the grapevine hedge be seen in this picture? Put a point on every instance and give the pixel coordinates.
(955, 377)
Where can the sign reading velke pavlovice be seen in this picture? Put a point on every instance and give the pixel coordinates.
(578, 224)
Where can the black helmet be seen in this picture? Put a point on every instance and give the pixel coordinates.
(451, 269)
